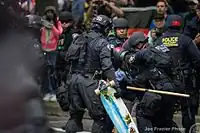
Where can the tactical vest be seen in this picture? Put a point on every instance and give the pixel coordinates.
(172, 42)
(77, 53)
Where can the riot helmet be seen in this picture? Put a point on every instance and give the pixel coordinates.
(120, 27)
(102, 24)
(120, 23)
(137, 41)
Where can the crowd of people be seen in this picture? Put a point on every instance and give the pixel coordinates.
(84, 41)
(165, 59)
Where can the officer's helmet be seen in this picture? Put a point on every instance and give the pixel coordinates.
(135, 39)
(120, 23)
(174, 22)
(102, 23)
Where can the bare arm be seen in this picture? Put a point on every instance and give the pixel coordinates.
(114, 8)
(90, 9)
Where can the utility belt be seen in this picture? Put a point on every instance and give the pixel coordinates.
(91, 74)
(188, 72)
(97, 75)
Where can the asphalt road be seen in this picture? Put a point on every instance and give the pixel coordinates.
(58, 118)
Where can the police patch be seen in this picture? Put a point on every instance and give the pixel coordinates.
(110, 46)
(131, 59)
(170, 41)
(162, 48)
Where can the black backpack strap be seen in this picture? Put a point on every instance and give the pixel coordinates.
(83, 50)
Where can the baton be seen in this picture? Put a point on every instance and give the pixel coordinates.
(159, 92)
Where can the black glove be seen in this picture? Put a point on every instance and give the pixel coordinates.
(118, 93)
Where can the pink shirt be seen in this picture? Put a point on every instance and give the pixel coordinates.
(50, 37)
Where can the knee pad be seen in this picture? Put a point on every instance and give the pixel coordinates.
(150, 103)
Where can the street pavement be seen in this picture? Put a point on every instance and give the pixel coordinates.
(58, 118)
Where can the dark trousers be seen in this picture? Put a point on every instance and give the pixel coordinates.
(49, 77)
(154, 114)
(190, 105)
(82, 95)
(188, 116)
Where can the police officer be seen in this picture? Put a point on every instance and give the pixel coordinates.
(117, 38)
(84, 79)
(119, 35)
(155, 70)
(186, 56)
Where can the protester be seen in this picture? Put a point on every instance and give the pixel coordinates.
(64, 42)
(155, 33)
(162, 7)
(191, 20)
(67, 24)
(49, 41)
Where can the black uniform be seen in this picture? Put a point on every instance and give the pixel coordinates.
(192, 27)
(155, 67)
(20, 104)
(84, 80)
(186, 56)
(153, 70)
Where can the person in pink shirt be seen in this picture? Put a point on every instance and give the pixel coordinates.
(50, 35)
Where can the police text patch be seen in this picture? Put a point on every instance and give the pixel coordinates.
(170, 41)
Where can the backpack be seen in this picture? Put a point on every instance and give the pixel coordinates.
(76, 52)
